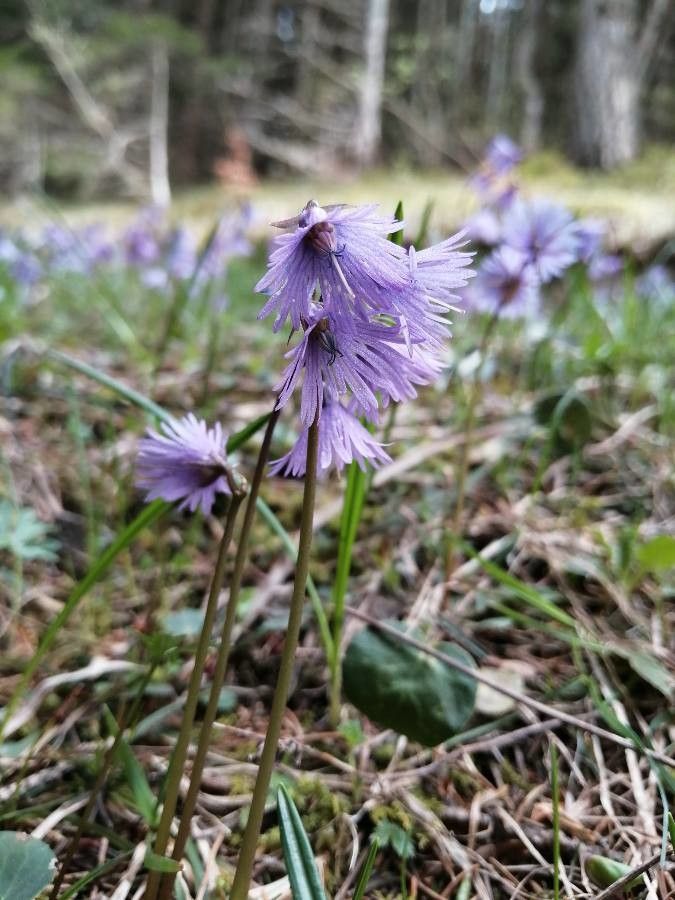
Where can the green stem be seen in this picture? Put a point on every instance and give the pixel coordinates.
(463, 467)
(166, 886)
(351, 516)
(242, 876)
(179, 755)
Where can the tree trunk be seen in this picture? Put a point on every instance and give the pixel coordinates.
(607, 84)
(369, 128)
(533, 98)
(498, 70)
(160, 189)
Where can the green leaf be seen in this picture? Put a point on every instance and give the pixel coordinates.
(389, 834)
(671, 830)
(24, 535)
(302, 871)
(157, 863)
(365, 872)
(400, 687)
(604, 871)
(397, 236)
(657, 554)
(144, 799)
(26, 866)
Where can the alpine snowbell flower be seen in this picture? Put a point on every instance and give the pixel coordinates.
(506, 285)
(342, 439)
(187, 462)
(545, 232)
(372, 314)
(342, 251)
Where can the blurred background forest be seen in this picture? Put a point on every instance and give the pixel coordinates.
(131, 98)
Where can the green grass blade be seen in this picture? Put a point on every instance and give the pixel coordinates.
(292, 551)
(355, 493)
(524, 591)
(144, 799)
(122, 390)
(94, 875)
(302, 871)
(397, 236)
(366, 871)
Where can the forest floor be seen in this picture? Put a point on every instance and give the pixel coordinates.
(570, 602)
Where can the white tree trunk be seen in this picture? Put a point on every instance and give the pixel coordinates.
(533, 98)
(160, 188)
(369, 126)
(607, 84)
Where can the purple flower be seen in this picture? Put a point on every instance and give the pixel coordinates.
(26, 269)
(181, 258)
(590, 234)
(604, 265)
(345, 352)
(342, 439)
(506, 285)
(436, 273)
(484, 227)
(502, 154)
(140, 240)
(188, 463)
(656, 283)
(545, 233)
(342, 251)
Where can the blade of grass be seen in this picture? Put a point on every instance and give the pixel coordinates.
(133, 396)
(522, 590)
(366, 871)
(300, 864)
(291, 549)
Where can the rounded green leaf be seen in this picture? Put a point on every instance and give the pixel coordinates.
(402, 688)
(26, 866)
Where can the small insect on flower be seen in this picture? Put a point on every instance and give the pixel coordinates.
(187, 463)
(326, 339)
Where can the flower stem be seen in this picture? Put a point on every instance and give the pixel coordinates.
(179, 755)
(463, 467)
(242, 876)
(222, 659)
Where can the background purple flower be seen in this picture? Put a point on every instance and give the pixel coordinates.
(187, 463)
(545, 233)
(502, 154)
(342, 439)
(506, 284)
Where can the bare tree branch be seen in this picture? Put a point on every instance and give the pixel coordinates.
(655, 29)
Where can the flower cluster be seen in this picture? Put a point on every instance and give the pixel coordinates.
(532, 241)
(372, 322)
(148, 250)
